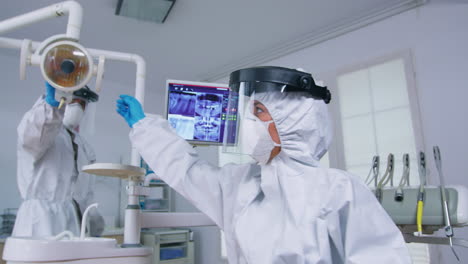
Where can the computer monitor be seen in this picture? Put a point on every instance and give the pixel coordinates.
(198, 111)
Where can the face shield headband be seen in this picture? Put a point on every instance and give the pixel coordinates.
(87, 94)
(277, 79)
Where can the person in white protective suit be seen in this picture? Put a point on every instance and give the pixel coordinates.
(283, 208)
(50, 154)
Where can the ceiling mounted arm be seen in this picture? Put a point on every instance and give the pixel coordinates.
(70, 8)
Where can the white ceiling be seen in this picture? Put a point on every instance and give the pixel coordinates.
(206, 39)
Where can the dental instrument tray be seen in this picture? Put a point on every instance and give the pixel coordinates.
(114, 170)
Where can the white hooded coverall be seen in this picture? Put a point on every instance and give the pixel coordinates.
(288, 211)
(48, 179)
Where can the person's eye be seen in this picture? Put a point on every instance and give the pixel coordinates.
(258, 110)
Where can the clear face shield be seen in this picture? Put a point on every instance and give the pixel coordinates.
(249, 127)
(241, 107)
(88, 122)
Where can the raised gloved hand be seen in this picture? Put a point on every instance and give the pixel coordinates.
(50, 95)
(130, 109)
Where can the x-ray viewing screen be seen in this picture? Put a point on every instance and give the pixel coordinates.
(197, 111)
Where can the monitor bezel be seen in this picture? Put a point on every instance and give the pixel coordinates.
(184, 82)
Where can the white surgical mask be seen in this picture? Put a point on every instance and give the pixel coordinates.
(256, 140)
(73, 115)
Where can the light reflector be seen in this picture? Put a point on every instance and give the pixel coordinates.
(66, 65)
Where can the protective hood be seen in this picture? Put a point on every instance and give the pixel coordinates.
(303, 125)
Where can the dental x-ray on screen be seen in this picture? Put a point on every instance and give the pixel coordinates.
(197, 111)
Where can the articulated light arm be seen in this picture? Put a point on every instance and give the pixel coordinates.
(110, 55)
(70, 8)
(75, 17)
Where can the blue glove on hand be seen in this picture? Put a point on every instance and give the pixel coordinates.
(130, 109)
(50, 95)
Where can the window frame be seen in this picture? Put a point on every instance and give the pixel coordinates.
(336, 152)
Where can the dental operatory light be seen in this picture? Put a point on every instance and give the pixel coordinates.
(66, 65)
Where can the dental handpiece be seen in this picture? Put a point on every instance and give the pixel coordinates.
(448, 227)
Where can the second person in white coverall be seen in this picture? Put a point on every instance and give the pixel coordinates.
(284, 208)
(51, 153)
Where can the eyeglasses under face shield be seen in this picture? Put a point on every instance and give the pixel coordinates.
(248, 87)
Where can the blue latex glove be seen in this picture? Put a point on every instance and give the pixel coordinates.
(130, 109)
(50, 95)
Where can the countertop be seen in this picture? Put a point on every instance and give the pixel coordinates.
(114, 231)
